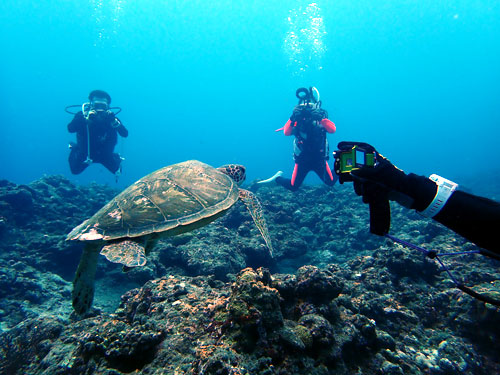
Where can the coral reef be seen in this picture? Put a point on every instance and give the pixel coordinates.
(333, 300)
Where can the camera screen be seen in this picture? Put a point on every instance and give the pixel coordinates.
(360, 157)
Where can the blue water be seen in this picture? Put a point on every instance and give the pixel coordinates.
(212, 80)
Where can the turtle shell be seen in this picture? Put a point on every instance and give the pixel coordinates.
(164, 201)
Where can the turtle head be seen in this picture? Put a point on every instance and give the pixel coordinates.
(235, 171)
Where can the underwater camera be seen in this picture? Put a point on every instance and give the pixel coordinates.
(357, 157)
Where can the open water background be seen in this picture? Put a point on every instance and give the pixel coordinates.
(212, 80)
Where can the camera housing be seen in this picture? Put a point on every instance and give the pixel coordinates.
(355, 158)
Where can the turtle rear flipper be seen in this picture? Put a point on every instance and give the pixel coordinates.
(83, 284)
(253, 206)
(127, 252)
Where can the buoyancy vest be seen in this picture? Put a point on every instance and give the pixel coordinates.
(310, 141)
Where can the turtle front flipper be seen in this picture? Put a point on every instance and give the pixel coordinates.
(127, 252)
(253, 206)
(83, 283)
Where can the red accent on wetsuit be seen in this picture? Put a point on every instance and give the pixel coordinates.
(328, 170)
(288, 127)
(328, 125)
(294, 174)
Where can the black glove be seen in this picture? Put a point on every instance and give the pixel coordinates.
(109, 116)
(318, 114)
(383, 182)
(305, 112)
(91, 115)
(297, 113)
(115, 123)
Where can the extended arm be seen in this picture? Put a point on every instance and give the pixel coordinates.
(328, 125)
(473, 217)
(122, 130)
(77, 123)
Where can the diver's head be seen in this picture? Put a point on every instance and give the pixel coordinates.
(308, 97)
(99, 100)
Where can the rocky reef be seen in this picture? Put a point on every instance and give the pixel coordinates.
(333, 300)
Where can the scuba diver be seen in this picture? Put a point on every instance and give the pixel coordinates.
(96, 127)
(377, 181)
(309, 124)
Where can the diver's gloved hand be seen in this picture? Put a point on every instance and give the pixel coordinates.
(297, 113)
(318, 114)
(115, 122)
(109, 115)
(386, 180)
(91, 115)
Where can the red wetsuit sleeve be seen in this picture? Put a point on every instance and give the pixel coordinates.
(288, 128)
(328, 125)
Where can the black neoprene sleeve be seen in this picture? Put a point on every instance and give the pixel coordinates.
(475, 218)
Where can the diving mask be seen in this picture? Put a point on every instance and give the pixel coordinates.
(96, 108)
(99, 104)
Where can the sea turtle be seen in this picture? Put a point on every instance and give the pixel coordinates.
(172, 200)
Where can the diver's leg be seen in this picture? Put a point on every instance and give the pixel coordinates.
(111, 162)
(299, 174)
(77, 160)
(322, 169)
(285, 182)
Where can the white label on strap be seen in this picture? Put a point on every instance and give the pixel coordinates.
(445, 189)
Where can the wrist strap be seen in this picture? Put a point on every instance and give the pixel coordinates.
(444, 190)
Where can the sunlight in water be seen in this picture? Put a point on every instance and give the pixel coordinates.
(303, 43)
(106, 14)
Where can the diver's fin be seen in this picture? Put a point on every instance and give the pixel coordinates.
(271, 179)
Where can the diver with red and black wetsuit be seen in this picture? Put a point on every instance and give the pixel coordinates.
(309, 124)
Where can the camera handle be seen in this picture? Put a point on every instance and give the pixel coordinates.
(380, 211)
(380, 216)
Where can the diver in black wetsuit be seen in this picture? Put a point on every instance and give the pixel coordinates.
(96, 128)
(309, 124)
(473, 217)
